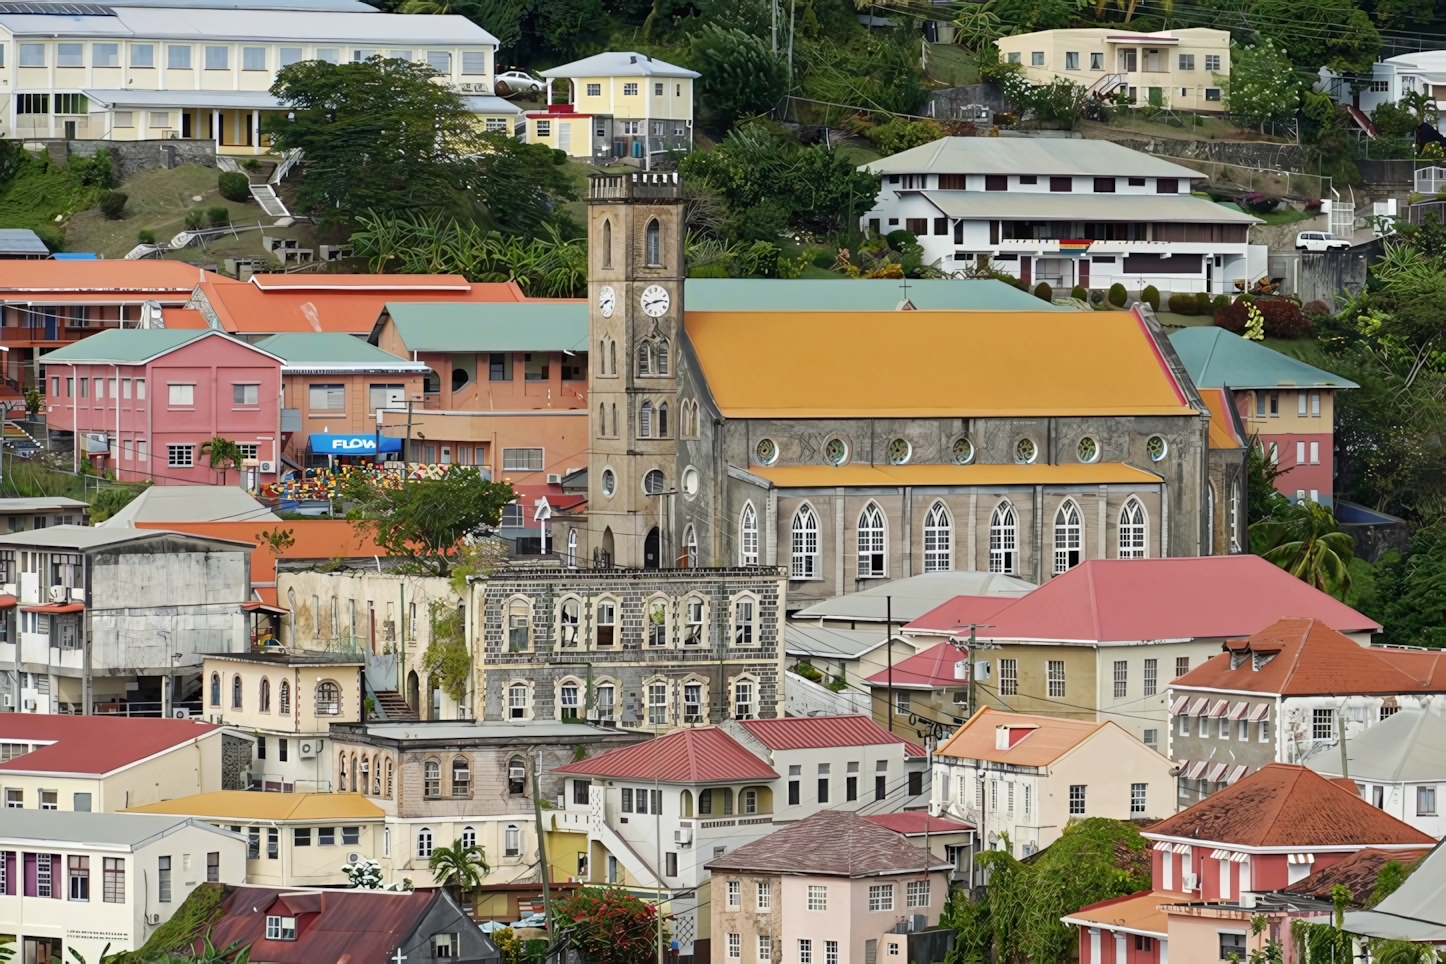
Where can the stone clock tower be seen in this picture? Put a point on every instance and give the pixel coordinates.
(635, 296)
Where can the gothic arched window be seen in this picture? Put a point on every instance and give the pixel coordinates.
(654, 244)
(607, 244)
(805, 543)
(663, 420)
(748, 536)
(1002, 537)
(871, 542)
(645, 359)
(661, 357)
(1067, 552)
(1132, 530)
(645, 420)
(938, 539)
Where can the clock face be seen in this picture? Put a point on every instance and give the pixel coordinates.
(655, 300)
(606, 299)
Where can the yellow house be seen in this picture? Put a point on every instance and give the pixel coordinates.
(293, 839)
(1183, 69)
(622, 107)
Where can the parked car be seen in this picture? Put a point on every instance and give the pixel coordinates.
(1320, 241)
(515, 82)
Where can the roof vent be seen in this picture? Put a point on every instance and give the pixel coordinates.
(632, 60)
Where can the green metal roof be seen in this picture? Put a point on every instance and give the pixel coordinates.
(126, 346)
(327, 349)
(1216, 358)
(806, 294)
(503, 326)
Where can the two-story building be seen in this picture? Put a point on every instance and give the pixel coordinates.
(37, 513)
(1066, 212)
(622, 106)
(1285, 404)
(1183, 69)
(1400, 766)
(75, 884)
(1288, 694)
(144, 403)
(1391, 78)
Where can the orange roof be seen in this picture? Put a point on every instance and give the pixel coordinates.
(1137, 913)
(352, 309)
(1305, 657)
(977, 473)
(146, 276)
(1223, 434)
(899, 364)
(314, 539)
(361, 282)
(184, 318)
(1049, 739)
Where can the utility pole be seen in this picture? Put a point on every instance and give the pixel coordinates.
(541, 843)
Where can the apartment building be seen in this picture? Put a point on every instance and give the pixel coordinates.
(1182, 69)
(622, 106)
(1391, 78)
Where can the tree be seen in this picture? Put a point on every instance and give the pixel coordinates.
(1305, 541)
(546, 266)
(607, 925)
(110, 499)
(460, 865)
(1319, 33)
(424, 521)
(224, 454)
(1262, 85)
(741, 75)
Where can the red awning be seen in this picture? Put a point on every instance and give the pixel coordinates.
(7, 601)
(254, 606)
(55, 608)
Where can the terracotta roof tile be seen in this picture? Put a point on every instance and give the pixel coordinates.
(701, 755)
(1285, 805)
(1049, 738)
(831, 842)
(91, 744)
(816, 732)
(1357, 873)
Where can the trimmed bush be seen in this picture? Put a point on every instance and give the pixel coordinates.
(234, 186)
(900, 239)
(1118, 295)
(1184, 303)
(1202, 302)
(1316, 309)
(1220, 303)
(113, 204)
(146, 236)
(1079, 293)
(1151, 297)
(194, 219)
(218, 216)
(1043, 292)
(1283, 319)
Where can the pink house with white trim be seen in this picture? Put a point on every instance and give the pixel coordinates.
(143, 402)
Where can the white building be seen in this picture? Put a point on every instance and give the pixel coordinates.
(149, 70)
(1390, 80)
(77, 882)
(1400, 766)
(1064, 211)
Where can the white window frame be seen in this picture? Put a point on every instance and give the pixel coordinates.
(1134, 530)
(804, 553)
(1068, 536)
(1003, 538)
(872, 539)
(748, 535)
(938, 538)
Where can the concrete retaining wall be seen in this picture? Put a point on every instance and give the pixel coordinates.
(1248, 154)
(131, 157)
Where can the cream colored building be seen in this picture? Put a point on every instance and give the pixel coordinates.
(287, 703)
(622, 107)
(143, 72)
(1183, 69)
(293, 839)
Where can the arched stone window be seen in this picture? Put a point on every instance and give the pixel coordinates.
(512, 841)
(236, 692)
(1003, 554)
(431, 779)
(654, 241)
(1132, 530)
(662, 420)
(938, 539)
(1067, 537)
(805, 543)
(461, 777)
(328, 698)
(607, 243)
(570, 614)
(871, 542)
(690, 548)
(660, 357)
(283, 698)
(215, 689)
(263, 702)
(645, 420)
(748, 536)
(645, 359)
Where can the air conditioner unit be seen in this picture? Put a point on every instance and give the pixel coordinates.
(353, 857)
(266, 468)
(57, 594)
(28, 705)
(307, 749)
(181, 714)
(683, 836)
(153, 919)
(216, 718)
(1190, 882)
(553, 478)
(173, 135)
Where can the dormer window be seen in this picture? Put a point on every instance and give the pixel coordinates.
(1237, 660)
(1007, 737)
(280, 928)
(1260, 659)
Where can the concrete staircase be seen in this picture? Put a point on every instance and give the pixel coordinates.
(59, 153)
(265, 196)
(391, 705)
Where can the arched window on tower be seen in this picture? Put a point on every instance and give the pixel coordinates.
(871, 542)
(1132, 530)
(663, 420)
(645, 420)
(805, 543)
(612, 357)
(1067, 537)
(614, 414)
(661, 357)
(748, 536)
(602, 420)
(645, 359)
(607, 244)
(654, 244)
(1002, 536)
(938, 539)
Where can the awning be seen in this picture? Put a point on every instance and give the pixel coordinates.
(1216, 772)
(7, 601)
(1239, 858)
(1238, 710)
(254, 606)
(1195, 769)
(327, 443)
(1161, 846)
(1183, 848)
(1218, 710)
(1178, 707)
(1219, 855)
(1300, 858)
(1259, 713)
(1198, 708)
(206, 99)
(1237, 773)
(55, 608)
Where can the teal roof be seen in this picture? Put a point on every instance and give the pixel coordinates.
(128, 346)
(808, 294)
(332, 350)
(1215, 358)
(504, 326)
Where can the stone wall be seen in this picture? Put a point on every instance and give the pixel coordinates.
(1247, 154)
(129, 158)
(235, 760)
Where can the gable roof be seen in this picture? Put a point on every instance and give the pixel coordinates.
(913, 823)
(92, 745)
(120, 280)
(1177, 208)
(864, 294)
(1284, 805)
(453, 326)
(619, 63)
(1028, 155)
(1050, 738)
(1407, 747)
(932, 668)
(702, 755)
(88, 538)
(1357, 873)
(330, 351)
(192, 503)
(1226, 431)
(136, 346)
(121, 830)
(835, 843)
(22, 241)
(1041, 363)
(1415, 911)
(1216, 358)
(249, 805)
(1132, 600)
(913, 596)
(1307, 658)
(818, 732)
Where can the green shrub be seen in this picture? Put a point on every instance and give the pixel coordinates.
(1151, 297)
(146, 236)
(1220, 303)
(1118, 295)
(900, 134)
(113, 205)
(234, 186)
(742, 76)
(1202, 302)
(1078, 292)
(900, 239)
(715, 270)
(1043, 292)
(251, 163)
(1184, 303)
(194, 219)
(218, 216)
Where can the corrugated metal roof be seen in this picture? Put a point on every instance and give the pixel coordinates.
(1407, 747)
(832, 843)
(235, 99)
(620, 63)
(92, 744)
(69, 826)
(1217, 358)
(21, 241)
(500, 326)
(248, 805)
(84, 538)
(132, 346)
(931, 669)
(41, 503)
(316, 350)
(821, 294)
(1028, 205)
(817, 732)
(703, 755)
(913, 596)
(322, 27)
(1027, 155)
(977, 473)
(140, 280)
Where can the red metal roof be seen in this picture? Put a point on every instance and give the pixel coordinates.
(916, 822)
(92, 744)
(55, 608)
(934, 667)
(1127, 600)
(817, 732)
(702, 755)
(1308, 658)
(359, 927)
(1286, 805)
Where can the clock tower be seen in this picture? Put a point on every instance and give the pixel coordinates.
(635, 315)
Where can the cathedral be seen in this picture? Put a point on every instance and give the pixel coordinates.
(847, 446)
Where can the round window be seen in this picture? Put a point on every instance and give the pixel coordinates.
(653, 482)
(690, 482)
(609, 482)
(1156, 447)
(766, 451)
(1024, 450)
(963, 451)
(899, 451)
(1088, 449)
(835, 451)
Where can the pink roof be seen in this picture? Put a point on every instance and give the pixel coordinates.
(1109, 600)
(702, 755)
(933, 667)
(955, 615)
(92, 744)
(913, 822)
(816, 732)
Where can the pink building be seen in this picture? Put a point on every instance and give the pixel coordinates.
(143, 402)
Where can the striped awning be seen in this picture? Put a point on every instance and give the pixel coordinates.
(1198, 708)
(1218, 710)
(1183, 848)
(1195, 770)
(1239, 858)
(1178, 707)
(1238, 710)
(1300, 858)
(1259, 713)
(1237, 773)
(1216, 772)
(1161, 846)
(1219, 855)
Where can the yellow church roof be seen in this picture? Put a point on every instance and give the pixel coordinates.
(250, 805)
(863, 474)
(919, 364)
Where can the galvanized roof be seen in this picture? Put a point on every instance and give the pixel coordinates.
(85, 538)
(808, 639)
(21, 241)
(819, 732)
(1027, 155)
(501, 326)
(190, 503)
(620, 63)
(1217, 358)
(132, 346)
(119, 830)
(822, 294)
(322, 27)
(235, 99)
(318, 351)
(1033, 205)
(1409, 747)
(911, 597)
(8, 506)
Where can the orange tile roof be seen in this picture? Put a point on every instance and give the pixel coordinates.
(314, 539)
(1052, 738)
(35, 277)
(1223, 434)
(1287, 805)
(361, 282)
(1134, 913)
(252, 309)
(1308, 658)
(896, 364)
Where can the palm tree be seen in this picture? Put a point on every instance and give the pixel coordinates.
(461, 865)
(1305, 541)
